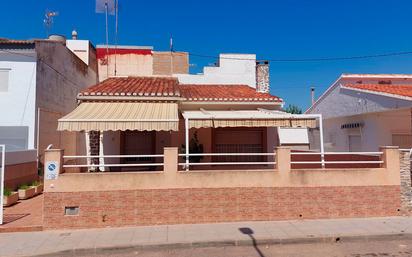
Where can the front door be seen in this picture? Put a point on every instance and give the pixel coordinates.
(138, 143)
(355, 143)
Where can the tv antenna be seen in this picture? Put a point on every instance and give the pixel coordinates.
(108, 8)
(48, 20)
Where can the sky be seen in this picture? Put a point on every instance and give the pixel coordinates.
(287, 29)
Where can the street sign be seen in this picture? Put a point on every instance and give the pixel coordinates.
(52, 170)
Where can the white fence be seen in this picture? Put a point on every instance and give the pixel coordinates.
(3, 164)
(187, 163)
(219, 159)
(100, 157)
(324, 155)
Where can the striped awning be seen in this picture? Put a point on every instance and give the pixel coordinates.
(104, 116)
(249, 118)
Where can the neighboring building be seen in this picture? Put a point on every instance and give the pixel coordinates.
(139, 61)
(230, 69)
(39, 81)
(364, 111)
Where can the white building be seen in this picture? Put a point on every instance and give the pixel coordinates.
(363, 111)
(39, 81)
(231, 69)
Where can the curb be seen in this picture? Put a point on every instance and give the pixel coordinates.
(223, 243)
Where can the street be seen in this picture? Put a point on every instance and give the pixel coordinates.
(391, 248)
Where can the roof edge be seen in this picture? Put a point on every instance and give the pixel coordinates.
(377, 93)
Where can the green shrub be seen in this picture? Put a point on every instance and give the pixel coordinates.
(35, 183)
(24, 186)
(7, 192)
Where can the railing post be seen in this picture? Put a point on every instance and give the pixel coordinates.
(283, 159)
(390, 157)
(53, 163)
(170, 159)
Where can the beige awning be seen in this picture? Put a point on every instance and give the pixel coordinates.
(103, 116)
(250, 118)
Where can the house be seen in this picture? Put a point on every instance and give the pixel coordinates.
(141, 115)
(176, 153)
(362, 112)
(39, 80)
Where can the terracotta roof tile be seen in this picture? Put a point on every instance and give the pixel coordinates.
(135, 86)
(225, 93)
(169, 86)
(399, 90)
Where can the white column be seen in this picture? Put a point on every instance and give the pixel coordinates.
(187, 142)
(88, 152)
(101, 151)
(322, 149)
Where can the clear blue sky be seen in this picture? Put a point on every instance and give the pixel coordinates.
(271, 29)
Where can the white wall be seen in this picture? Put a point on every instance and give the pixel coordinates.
(231, 70)
(340, 102)
(79, 48)
(377, 129)
(17, 105)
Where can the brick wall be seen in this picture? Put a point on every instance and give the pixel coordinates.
(206, 205)
(19, 174)
(162, 63)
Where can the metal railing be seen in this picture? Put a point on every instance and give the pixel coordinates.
(100, 157)
(327, 155)
(187, 164)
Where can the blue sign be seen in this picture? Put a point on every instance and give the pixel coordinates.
(52, 170)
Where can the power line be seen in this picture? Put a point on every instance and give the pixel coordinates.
(358, 57)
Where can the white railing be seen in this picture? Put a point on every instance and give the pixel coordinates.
(100, 157)
(323, 161)
(187, 163)
(3, 164)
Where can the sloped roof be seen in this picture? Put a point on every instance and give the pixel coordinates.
(386, 89)
(135, 86)
(225, 93)
(170, 87)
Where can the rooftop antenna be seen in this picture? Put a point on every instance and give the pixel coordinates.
(171, 54)
(116, 6)
(48, 20)
(107, 7)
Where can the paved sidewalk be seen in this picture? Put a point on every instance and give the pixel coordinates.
(70, 242)
(26, 215)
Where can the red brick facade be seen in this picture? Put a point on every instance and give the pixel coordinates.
(195, 205)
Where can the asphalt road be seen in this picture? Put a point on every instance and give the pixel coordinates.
(392, 248)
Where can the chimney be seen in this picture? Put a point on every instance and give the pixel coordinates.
(312, 94)
(262, 76)
(74, 34)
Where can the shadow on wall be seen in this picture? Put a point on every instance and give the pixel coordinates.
(249, 232)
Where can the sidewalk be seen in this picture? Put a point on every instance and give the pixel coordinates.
(70, 242)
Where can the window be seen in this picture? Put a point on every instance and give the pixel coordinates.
(4, 80)
(402, 140)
